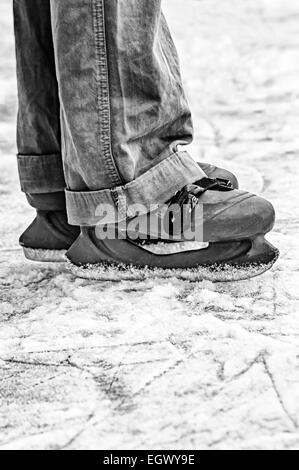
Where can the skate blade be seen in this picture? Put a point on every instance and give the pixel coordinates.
(116, 273)
(44, 256)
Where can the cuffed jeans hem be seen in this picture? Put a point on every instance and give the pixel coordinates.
(144, 194)
(41, 173)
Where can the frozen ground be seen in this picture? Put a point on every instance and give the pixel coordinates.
(168, 365)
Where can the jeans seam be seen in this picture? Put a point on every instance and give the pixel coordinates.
(119, 200)
(114, 195)
(103, 93)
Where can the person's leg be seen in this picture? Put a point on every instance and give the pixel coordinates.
(124, 113)
(38, 128)
(123, 107)
(38, 125)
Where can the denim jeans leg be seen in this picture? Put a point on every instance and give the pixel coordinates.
(123, 108)
(38, 125)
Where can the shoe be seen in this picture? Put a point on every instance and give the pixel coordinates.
(50, 236)
(232, 245)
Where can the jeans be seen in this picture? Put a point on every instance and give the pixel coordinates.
(102, 108)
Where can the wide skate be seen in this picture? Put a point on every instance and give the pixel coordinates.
(232, 245)
(49, 236)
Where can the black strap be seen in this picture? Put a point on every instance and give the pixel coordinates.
(214, 184)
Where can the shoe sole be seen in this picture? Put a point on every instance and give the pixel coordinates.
(259, 259)
(44, 256)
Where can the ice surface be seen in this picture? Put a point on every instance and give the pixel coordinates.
(167, 363)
